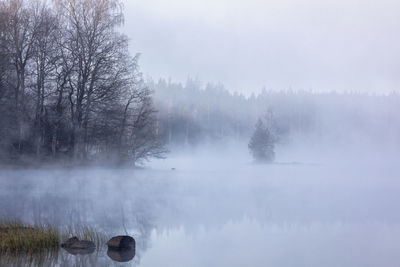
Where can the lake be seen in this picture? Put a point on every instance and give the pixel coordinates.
(215, 211)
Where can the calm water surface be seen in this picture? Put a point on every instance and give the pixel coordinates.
(218, 213)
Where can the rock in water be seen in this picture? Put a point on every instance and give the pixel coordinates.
(70, 242)
(76, 246)
(84, 244)
(121, 248)
(121, 242)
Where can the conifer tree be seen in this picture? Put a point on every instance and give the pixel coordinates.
(261, 144)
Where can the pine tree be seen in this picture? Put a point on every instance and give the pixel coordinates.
(262, 143)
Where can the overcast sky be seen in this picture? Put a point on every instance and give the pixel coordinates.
(280, 44)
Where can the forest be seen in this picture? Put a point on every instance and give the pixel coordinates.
(194, 113)
(71, 92)
(69, 89)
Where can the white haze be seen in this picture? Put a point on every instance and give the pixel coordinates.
(308, 44)
(217, 204)
(331, 198)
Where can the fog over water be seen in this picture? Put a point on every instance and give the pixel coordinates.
(215, 133)
(220, 208)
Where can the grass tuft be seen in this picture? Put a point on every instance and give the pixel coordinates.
(17, 237)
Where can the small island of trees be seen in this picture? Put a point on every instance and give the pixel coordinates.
(262, 143)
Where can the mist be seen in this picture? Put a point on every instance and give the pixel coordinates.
(213, 206)
(303, 45)
(214, 133)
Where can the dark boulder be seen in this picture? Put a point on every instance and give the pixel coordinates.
(68, 243)
(83, 244)
(121, 242)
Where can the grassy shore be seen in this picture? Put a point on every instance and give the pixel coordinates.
(17, 237)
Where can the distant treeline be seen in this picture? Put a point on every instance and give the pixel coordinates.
(192, 113)
(68, 86)
(70, 90)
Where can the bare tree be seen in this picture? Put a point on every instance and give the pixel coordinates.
(45, 59)
(94, 43)
(5, 94)
(142, 140)
(4, 58)
(76, 91)
(19, 34)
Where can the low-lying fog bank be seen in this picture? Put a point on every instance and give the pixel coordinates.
(199, 207)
